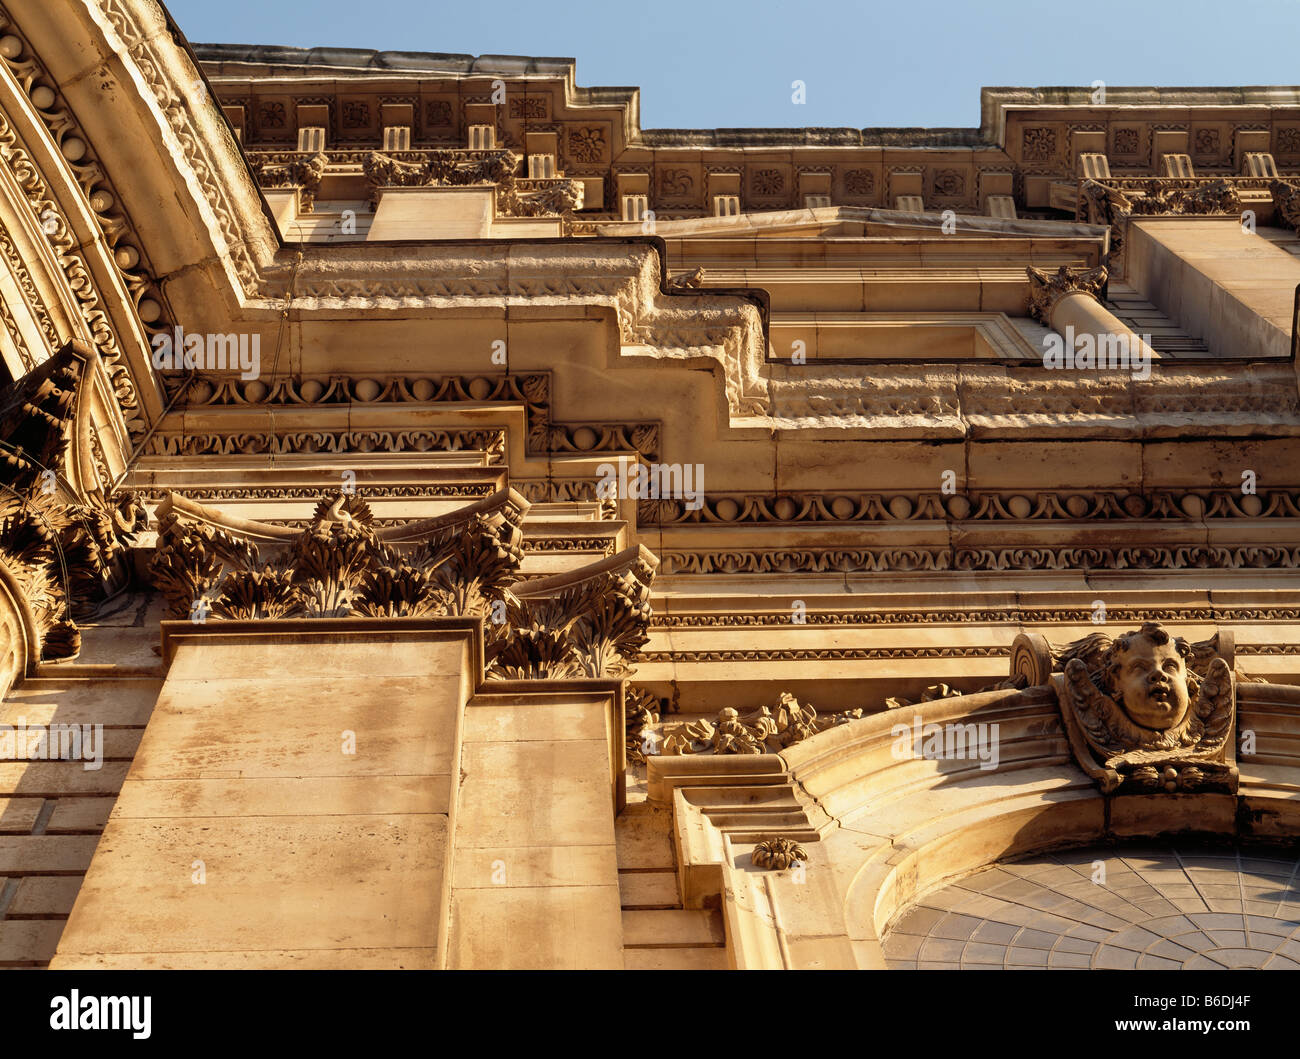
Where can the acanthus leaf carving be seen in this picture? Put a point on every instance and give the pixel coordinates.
(303, 173)
(338, 565)
(1047, 288)
(593, 623)
(1286, 201)
(761, 731)
(64, 548)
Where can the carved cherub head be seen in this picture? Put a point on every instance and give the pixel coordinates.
(1146, 673)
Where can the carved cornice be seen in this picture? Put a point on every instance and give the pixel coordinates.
(1047, 288)
(936, 401)
(289, 492)
(175, 443)
(1010, 615)
(828, 654)
(533, 391)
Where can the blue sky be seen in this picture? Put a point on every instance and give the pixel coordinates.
(865, 63)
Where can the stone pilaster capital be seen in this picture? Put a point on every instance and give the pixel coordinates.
(1286, 201)
(1047, 288)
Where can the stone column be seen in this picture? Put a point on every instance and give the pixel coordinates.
(1071, 298)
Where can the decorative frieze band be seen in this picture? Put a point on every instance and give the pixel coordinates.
(868, 560)
(1007, 506)
(533, 391)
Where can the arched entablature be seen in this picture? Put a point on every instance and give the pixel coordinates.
(891, 809)
(71, 267)
(92, 141)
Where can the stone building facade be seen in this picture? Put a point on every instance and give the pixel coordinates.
(448, 526)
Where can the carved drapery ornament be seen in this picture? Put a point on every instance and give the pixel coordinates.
(538, 198)
(1047, 288)
(1145, 712)
(447, 168)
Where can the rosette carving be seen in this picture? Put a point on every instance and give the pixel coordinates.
(777, 854)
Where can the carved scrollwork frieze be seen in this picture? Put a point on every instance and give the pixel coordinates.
(761, 731)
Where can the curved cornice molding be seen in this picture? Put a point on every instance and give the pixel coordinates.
(235, 61)
(202, 227)
(205, 215)
(73, 254)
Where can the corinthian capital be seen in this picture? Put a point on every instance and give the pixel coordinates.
(1286, 200)
(1047, 288)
